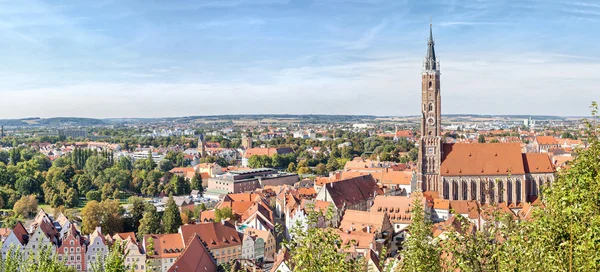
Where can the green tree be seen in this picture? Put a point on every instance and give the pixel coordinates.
(419, 253)
(291, 167)
(196, 182)
(224, 213)
(137, 207)
(26, 206)
(319, 249)
(107, 214)
(321, 169)
(481, 139)
(171, 216)
(150, 222)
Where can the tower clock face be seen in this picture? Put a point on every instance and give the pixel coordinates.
(431, 121)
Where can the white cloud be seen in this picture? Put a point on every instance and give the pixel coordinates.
(499, 84)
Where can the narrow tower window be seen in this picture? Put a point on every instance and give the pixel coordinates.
(430, 84)
(430, 106)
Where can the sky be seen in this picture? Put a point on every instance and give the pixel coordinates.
(150, 58)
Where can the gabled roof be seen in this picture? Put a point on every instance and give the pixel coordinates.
(474, 159)
(165, 245)
(124, 236)
(397, 207)
(195, 258)
(546, 140)
(21, 233)
(537, 163)
(360, 220)
(352, 191)
(213, 234)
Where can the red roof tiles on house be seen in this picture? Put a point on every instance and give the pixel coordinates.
(195, 258)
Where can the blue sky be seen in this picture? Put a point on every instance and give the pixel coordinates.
(177, 58)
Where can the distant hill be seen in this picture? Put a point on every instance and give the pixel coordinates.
(54, 121)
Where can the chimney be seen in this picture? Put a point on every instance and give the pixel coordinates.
(368, 228)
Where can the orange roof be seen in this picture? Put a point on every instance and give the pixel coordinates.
(468, 207)
(357, 240)
(404, 134)
(397, 207)
(125, 235)
(307, 191)
(207, 216)
(441, 204)
(213, 234)
(195, 258)
(482, 159)
(546, 140)
(394, 177)
(360, 220)
(165, 245)
(537, 163)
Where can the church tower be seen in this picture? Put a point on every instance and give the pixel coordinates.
(430, 144)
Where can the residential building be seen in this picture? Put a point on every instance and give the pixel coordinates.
(268, 247)
(194, 258)
(221, 239)
(72, 250)
(97, 248)
(162, 250)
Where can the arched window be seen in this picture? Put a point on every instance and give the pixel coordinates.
(473, 190)
(509, 190)
(430, 106)
(465, 190)
(501, 191)
(518, 190)
(446, 189)
(430, 84)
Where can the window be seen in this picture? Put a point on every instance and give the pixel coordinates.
(60, 258)
(72, 242)
(78, 250)
(72, 258)
(78, 267)
(78, 258)
(72, 250)
(66, 250)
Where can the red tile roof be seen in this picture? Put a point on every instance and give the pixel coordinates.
(546, 140)
(195, 258)
(353, 190)
(482, 159)
(213, 234)
(165, 245)
(537, 163)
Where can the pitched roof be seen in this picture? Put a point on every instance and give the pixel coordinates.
(124, 236)
(360, 220)
(546, 140)
(213, 234)
(21, 233)
(165, 245)
(397, 207)
(352, 191)
(195, 258)
(462, 159)
(282, 257)
(537, 163)
(468, 207)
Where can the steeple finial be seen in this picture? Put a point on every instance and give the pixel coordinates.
(430, 61)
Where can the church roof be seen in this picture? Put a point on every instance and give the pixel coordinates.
(537, 163)
(476, 159)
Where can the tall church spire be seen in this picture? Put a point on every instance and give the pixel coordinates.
(430, 62)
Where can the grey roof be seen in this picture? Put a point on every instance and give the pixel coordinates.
(430, 62)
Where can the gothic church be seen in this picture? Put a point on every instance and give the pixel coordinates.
(486, 172)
